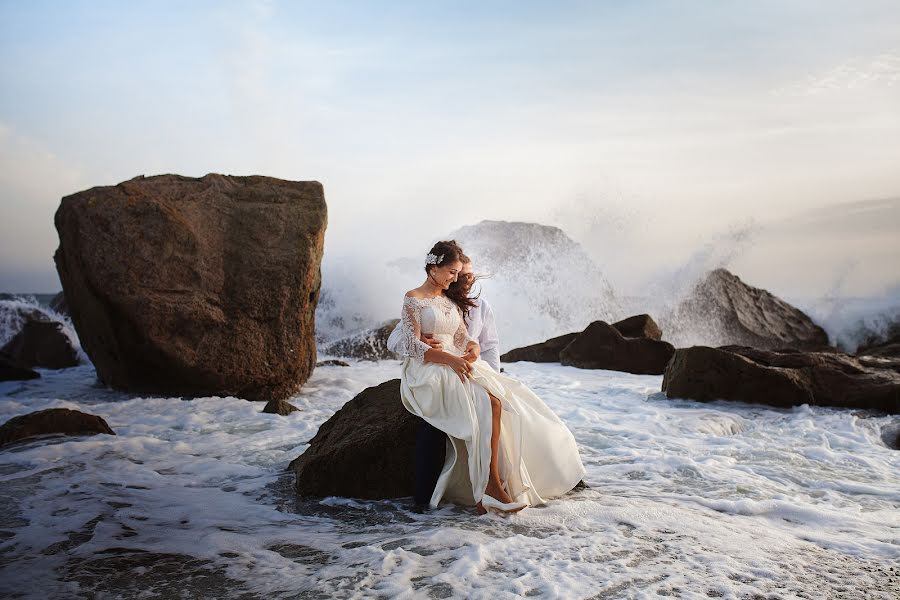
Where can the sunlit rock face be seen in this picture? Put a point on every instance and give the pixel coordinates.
(541, 282)
(722, 310)
(195, 286)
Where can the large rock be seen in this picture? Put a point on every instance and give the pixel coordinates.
(58, 304)
(638, 326)
(783, 379)
(541, 353)
(42, 343)
(561, 289)
(12, 370)
(602, 346)
(365, 450)
(14, 313)
(884, 343)
(185, 286)
(722, 310)
(53, 420)
(368, 345)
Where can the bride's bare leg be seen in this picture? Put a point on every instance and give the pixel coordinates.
(495, 486)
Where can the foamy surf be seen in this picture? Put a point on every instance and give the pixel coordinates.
(687, 500)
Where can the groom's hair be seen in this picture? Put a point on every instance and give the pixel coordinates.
(460, 291)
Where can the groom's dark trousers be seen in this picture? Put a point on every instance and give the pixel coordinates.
(430, 450)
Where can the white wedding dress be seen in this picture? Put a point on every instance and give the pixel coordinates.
(538, 457)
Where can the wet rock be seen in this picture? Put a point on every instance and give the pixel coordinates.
(195, 286)
(639, 326)
(14, 313)
(782, 378)
(52, 421)
(562, 279)
(602, 346)
(58, 303)
(541, 353)
(42, 343)
(365, 450)
(11, 370)
(890, 435)
(722, 310)
(886, 343)
(332, 363)
(368, 345)
(279, 407)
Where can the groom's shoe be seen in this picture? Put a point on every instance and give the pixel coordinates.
(491, 503)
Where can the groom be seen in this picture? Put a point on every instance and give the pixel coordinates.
(430, 441)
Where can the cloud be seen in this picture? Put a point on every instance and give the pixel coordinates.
(881, 70)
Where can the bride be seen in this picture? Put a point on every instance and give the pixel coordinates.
(505, 448)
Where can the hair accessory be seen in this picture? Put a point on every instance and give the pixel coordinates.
(433, 259)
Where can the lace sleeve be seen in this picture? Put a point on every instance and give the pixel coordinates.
(409, 343)
(462, 338)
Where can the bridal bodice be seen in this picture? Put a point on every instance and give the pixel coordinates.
(437, 316)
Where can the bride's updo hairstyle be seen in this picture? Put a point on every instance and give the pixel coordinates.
(451, 252)
(447, 252)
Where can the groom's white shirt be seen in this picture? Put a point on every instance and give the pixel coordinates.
(482, 327)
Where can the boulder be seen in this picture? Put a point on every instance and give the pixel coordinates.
(332, 363)
(602, 346)
(886, 343)
(722, 309)
(783, 378)
(365, 450)
(58, 304)
(890, 435)
(14, 313)
(541, 353)
(561, 289)
(42, 343)
(195, 286)
(279, 407)
(53, 420)
(368, 345)
(12, 370)
(639, 326)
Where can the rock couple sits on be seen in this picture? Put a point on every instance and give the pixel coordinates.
(505, 448)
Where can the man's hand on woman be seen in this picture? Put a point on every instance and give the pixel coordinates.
(473, 351)
(428, 338)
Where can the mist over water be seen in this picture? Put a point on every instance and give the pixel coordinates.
(542, 282)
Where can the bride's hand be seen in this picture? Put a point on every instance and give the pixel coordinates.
(460, 365)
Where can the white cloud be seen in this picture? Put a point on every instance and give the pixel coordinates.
(881, 70)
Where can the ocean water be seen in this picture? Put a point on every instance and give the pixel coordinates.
(686, 500)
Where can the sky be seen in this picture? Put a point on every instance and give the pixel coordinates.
(662, 135)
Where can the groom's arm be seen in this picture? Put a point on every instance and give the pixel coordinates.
(488, 338)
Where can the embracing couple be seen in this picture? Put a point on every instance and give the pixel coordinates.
(504, 448)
